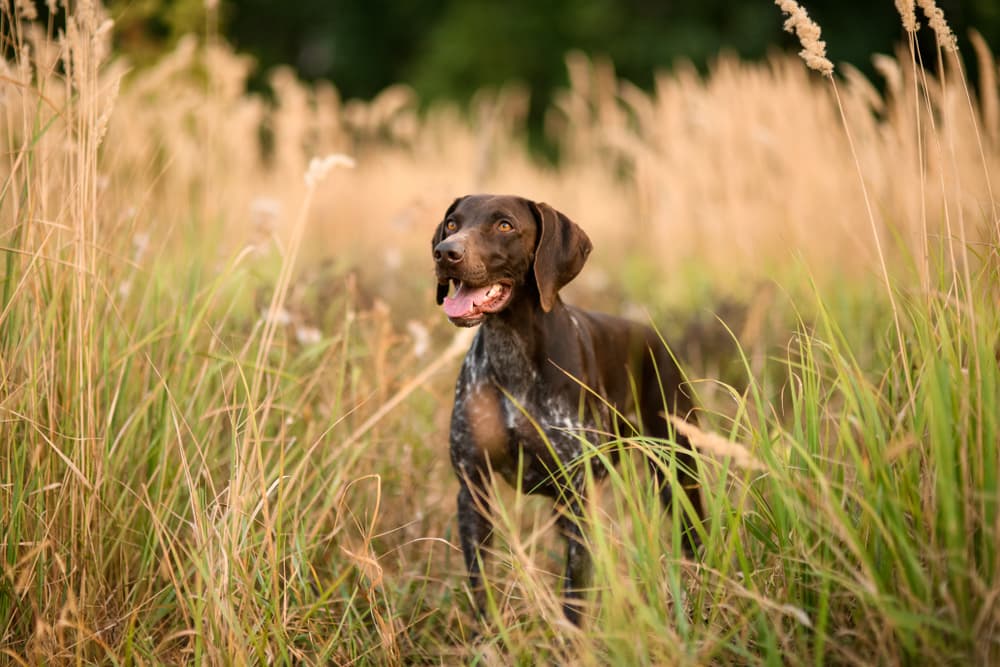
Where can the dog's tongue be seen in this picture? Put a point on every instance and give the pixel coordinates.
(464, 303)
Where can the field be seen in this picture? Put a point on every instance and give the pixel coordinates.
(225, 386)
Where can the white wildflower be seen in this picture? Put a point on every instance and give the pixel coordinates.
(393, 258)
(320, 167)
(264, 211)
(280, 316)
(140, 242)
(307, 335)
(421, 338)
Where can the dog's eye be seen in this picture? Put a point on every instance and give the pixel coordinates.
(505, 226)
(450, 225)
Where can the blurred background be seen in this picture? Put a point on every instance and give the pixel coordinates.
(452, 48)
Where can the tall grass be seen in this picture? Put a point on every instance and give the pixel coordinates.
(224, 389)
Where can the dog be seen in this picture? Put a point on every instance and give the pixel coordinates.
(540, 375)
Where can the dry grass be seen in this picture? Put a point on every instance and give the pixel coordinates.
(223, 411)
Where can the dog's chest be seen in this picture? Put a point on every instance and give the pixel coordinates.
(508, 419)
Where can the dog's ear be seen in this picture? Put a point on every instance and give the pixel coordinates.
(442, 290)
(562, 251)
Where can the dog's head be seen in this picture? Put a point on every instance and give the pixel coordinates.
(495, 249)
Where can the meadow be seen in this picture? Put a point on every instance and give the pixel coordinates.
(225, 387)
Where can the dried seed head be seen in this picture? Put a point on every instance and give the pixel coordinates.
(813, 48)
(26, 10)
(110, 95)
(715, 444)
(907, 11)
(945, 37)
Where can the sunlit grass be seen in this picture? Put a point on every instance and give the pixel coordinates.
(224, 391)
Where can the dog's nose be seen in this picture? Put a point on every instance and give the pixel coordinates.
(450, 251)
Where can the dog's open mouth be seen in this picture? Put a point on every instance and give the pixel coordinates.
(469, 304)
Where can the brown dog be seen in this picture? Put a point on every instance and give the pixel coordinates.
(521, 408)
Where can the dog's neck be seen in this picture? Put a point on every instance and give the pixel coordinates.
(515, 341)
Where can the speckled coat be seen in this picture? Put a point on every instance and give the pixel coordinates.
(544, 384)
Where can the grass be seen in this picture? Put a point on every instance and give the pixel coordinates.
(224, 391)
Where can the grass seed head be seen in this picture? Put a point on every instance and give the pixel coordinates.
(907, 11)
(935, 16)
(813, 48)
(26, 10)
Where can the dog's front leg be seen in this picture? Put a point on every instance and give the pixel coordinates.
(578, 562)
(475, 530)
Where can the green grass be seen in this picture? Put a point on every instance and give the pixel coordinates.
(170, 513)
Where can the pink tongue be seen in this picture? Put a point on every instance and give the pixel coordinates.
(464, 303)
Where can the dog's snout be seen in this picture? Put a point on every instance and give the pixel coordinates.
(449, 251)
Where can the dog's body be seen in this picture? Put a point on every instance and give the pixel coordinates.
(540, 375)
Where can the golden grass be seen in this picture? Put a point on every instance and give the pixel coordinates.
(744, 170)
(223, 409)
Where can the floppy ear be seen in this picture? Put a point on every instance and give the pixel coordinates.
(562, 251)
(442, 290)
